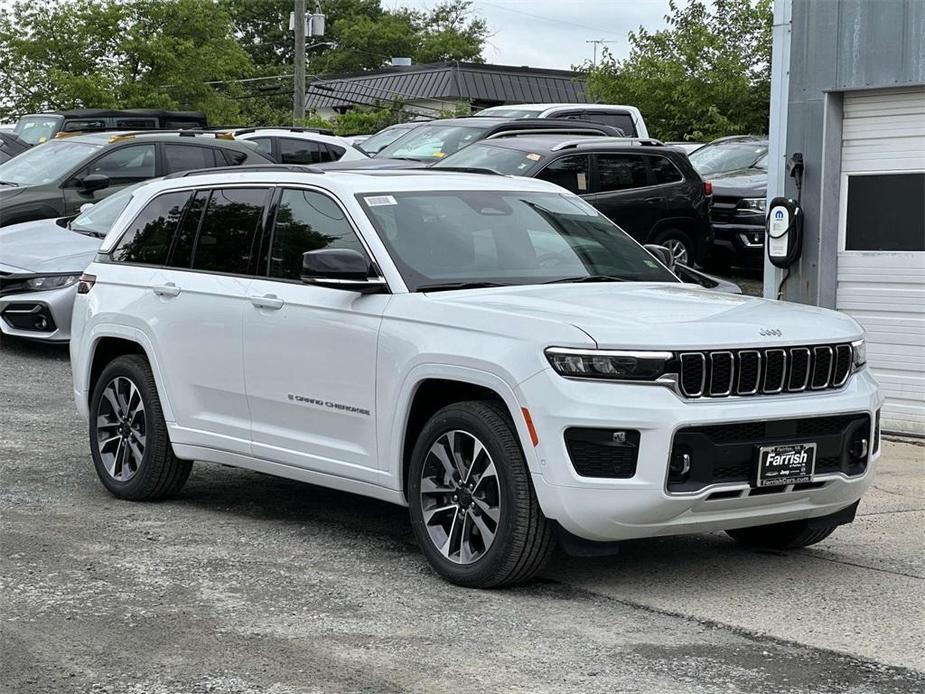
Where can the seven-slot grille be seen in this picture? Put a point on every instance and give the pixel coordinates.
(717, 374)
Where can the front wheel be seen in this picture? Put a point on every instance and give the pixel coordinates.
(128, 435)
(473, 509)
(680, 245)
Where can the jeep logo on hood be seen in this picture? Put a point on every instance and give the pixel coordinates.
(770, 332)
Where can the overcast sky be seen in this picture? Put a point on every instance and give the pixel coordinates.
(553, 33)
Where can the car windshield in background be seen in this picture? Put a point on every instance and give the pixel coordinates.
(47, 163)
(727, 156)
(455, 239)
(514, 162)
(384, 138)
(431, 142)
(99, 218)
(507, 113)
(36, 129)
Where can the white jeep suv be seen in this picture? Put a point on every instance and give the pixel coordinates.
(489, 351)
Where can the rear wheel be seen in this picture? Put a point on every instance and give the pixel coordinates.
(679, 243)
(792, 535)
(472, 505)
(128, 435)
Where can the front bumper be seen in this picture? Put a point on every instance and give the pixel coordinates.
(607, 509)
(39, 315)
(738, 240)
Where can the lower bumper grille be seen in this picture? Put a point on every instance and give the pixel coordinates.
(34, 317)
(603, 452)
(727, 453)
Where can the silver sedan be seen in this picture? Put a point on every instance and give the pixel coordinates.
(40, 264)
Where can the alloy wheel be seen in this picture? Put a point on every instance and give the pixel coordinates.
(460, 497)
(678, 250)
(120, 428)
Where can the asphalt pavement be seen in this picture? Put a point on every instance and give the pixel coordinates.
(250, 584)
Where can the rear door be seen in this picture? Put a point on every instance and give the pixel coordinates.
(622, 190)
(187, 157)
(201, 296)
(310, 352)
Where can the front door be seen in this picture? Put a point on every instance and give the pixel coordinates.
(123, 166)
(309, 351)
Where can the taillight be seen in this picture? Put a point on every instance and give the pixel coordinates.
(707, 188)
(85, 283)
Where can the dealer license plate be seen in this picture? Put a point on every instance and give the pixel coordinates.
(790, 464)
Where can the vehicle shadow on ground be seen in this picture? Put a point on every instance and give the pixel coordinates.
(33, 349)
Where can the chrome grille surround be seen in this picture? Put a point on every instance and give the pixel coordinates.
(779, 370)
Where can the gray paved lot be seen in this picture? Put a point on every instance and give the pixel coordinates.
(250, 584)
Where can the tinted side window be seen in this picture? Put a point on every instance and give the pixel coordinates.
(188, 157)
(124, 165)
(621, 172)
(664, 170)
(572, 173)
(182, 254)
(264, 145)
(617, 120)
(229, 228)
(148, 238)
(335, 152)
(292, 151)
(307, 221)
(235, 158)
(136, 123)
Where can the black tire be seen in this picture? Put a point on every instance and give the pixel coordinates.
(523, 541)
(677, 236)
(792, 535)
(159, 474)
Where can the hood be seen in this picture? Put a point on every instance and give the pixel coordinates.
(744, 183)
(7, 192)
(43, 246)
(663, 315)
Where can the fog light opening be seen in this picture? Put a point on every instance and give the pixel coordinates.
(858, 450)
(680, 464)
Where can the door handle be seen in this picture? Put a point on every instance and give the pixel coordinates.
(654, 200)
(270, 301)
(169, 289)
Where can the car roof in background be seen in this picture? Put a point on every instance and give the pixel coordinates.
(553, 142)
(115, 113)
(105, 137)
(745, 139)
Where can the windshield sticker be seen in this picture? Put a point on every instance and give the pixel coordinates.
(439, 155)
(582, 181)
(533, 157)
(376, 200)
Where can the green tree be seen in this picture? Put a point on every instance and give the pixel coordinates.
(105, 53)
(706, 75)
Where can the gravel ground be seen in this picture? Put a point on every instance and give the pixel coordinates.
(247, 584)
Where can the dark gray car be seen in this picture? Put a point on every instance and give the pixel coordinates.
(54, 179)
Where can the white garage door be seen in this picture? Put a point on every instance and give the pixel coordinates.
(881, 260)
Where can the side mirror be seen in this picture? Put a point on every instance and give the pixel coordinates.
(340, 268)
(662, 255)
(93, 182)
(86, 206)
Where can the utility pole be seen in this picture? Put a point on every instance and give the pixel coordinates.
(596, 42)
(298, 92)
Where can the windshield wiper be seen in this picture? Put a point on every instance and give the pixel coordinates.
(447, 286)
(9, 183)
(587, 278)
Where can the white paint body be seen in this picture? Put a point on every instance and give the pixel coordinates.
(556, 110)
(351, 153)
(226, 369)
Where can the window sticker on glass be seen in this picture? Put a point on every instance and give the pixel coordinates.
(582, 181)
(375, 200)
(533, 156)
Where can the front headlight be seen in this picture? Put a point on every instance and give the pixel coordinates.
(37, 284)
(618, 365)
(755, 204)
(858, 353)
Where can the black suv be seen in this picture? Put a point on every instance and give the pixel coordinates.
(649, 190)
(737, 167)
(36, 128)
(54, 179)
(434, 141)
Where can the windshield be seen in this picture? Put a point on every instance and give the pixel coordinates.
(507, 113)
(727, 156)
(514, 162)
(46, 163)
(432, 142)
(503, 238)
(384, 138)
(100, 217)
(37, 129)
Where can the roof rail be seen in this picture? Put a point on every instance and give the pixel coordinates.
(599, 141)
(292, 129)
(186, 132)
(254, 168)
(464, 169)
(548, 131)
